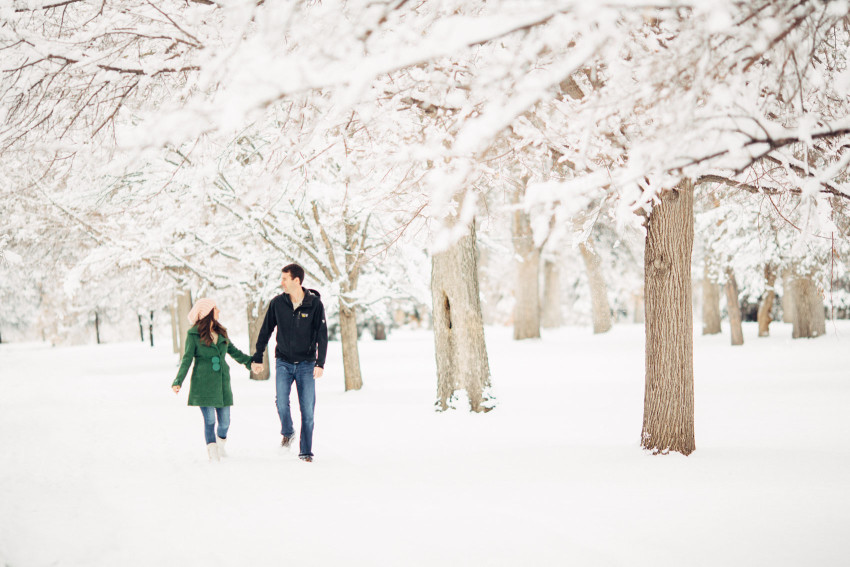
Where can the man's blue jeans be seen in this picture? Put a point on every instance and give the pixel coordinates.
(302, 374)
(209, 422)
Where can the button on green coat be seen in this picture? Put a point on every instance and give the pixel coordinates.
(209, 387)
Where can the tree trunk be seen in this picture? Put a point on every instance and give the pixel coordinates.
(175, 338)
(97, 327)
(256, 312)
(819, 313)
(710, 304)
(380, 331)
(766, 305)
(639, 302)
(809, 317)
(150, 330)
(349, 333)
(527, 306)
(350, 351)
(527, 290)
(803, 325)
(460, 348)
(551, 317)
(184, 305)
(598, 289)
(787, 296)
(141, 327)
(668, 418)
(733, 307)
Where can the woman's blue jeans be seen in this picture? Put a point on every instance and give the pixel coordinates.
(302, 374)
(209, 422)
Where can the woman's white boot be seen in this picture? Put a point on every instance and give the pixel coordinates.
(212, 450)
(221, 443)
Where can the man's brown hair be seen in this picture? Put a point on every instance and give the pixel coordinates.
(294, 271)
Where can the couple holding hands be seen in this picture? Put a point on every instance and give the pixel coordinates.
(302, 343)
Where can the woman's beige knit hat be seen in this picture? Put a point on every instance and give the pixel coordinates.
(201, 309)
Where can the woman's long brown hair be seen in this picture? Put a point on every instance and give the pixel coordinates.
(204, 328)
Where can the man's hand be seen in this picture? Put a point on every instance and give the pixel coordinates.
(176, 389)
(317, 372)
(256, 368)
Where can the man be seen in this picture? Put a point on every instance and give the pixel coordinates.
(302, 343)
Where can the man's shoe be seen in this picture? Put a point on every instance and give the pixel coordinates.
(306, 458)
(287, 441)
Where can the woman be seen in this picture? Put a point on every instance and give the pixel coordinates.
(206, 344)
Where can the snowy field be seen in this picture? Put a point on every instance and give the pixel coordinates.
(102, 465)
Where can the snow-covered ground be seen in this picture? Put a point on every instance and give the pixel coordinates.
(102, 465)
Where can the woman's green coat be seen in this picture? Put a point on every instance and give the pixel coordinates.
(209, 387)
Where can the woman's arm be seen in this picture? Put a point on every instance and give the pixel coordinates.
(238, 355)
(188, 356)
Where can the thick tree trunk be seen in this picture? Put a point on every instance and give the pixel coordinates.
(551, 317)
(460, 349)
(802, 321)
(639, 303)
(733, 307)
(787, 296)
(256, 311)
(527, 290)
(598, 290)
(350, 351)
(819, 313)
(184, 305)
(766, 305)
(379, 332)
(668, 418)
(809, 317)
(710, 304)
(175, 338)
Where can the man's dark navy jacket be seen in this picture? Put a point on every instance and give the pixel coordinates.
(302, 334)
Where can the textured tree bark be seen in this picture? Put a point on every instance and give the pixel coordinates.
(803, 324)
(256, 315)
(598, 290)
(350, 351)
(460, 348)
(668, 418)
(527, 290)
(787, 296)
(354, 243)
(819, 315)
(184, 305)
(710, 304)
(734, 309)
(809, 317)
(551, 316)
(766, 305)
